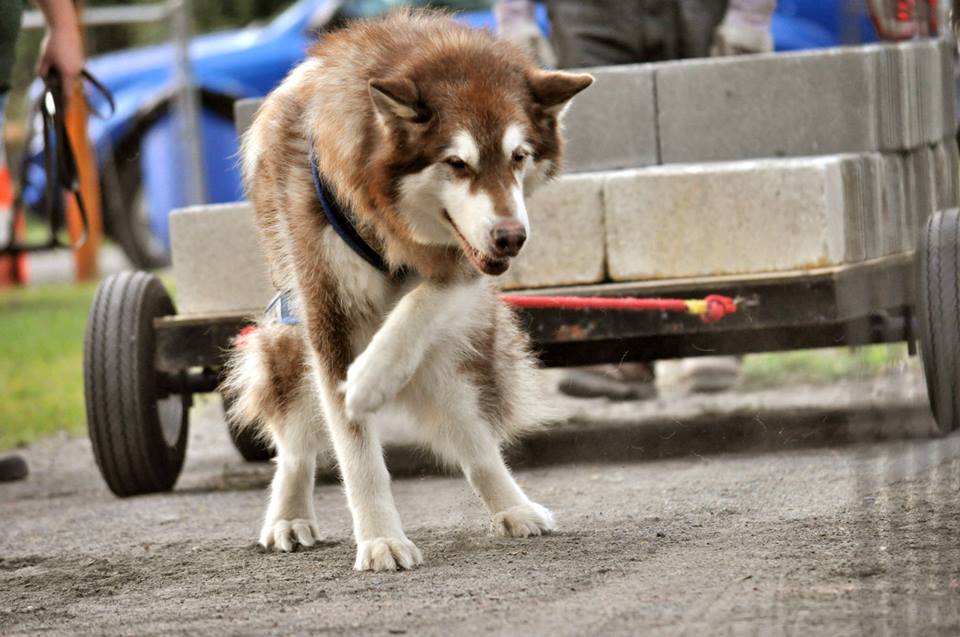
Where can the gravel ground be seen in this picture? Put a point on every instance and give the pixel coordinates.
(838, 538)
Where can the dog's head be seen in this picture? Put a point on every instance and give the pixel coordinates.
(470, 132)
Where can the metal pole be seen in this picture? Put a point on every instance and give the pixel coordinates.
(181, 12)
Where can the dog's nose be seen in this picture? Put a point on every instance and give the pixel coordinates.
(508, 238)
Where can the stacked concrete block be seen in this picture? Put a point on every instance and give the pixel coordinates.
(892, 215)
(945, 160)
(727, 218)
(218, 266)
(948, 87)
(842, 100)
(694, 220)
(566, 242)
(613, 123)
(910, 105)
(921, 198)
(849, 150)
(776, 105)
(244, 111)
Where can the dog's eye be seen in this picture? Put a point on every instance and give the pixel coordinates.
(456, 163)
(519, 156)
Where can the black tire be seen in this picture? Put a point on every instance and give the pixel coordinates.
(245, 439)
(938, 314)
(139, 434)
(126, 214)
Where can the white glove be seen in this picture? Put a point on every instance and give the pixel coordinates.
(517, 23)
(745, 28)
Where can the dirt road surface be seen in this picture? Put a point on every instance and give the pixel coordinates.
(840, 539)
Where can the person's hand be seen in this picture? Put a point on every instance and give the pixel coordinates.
(62, 47)
(745, 28)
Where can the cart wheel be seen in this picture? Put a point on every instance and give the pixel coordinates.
(138, 431)
(250, 446)
(938, 314)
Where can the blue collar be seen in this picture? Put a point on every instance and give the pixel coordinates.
(282, 306)
(341, 223)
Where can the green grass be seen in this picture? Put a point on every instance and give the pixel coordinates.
(819, 366)
(41, 361)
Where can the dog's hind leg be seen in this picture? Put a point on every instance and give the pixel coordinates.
(452, 421)
(290, 517)
(270, 387)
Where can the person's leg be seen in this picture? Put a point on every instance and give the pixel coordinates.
(596, 32)
(698, 24)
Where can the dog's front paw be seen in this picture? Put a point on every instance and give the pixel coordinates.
(523, 520)
(284, 535)
(372, 380)
(387, 554)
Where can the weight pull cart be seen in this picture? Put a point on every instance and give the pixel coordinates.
(143, 363)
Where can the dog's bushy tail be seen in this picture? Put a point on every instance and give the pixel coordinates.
(266, 378)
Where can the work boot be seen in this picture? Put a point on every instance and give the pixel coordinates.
(627, 381)
(711, 374)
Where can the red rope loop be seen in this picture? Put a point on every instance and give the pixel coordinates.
(718, 306)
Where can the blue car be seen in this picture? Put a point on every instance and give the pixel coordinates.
(138, 147)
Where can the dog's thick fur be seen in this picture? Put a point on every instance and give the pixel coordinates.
(431, 134)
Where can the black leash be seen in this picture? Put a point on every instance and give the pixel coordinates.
(60, 166)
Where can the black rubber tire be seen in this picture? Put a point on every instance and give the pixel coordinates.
(125, 219)
(250, 446)
(139, 435)
(938, 314)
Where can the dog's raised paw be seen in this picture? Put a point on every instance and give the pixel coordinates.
(387, 554)
(285, 535)
(523, 520)
(371, 382)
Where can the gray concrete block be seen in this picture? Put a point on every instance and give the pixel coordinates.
(244, 111)
(860, 235)
(920, 192)
(613, 123)
(948, 88)
(726, 218)
(843, 100)
(892, 214)
(774, 105)
(910, 94)
(882, 236)
(218, 266)
(948, 160)
(566, 242)
(943, 185)
(928, 121)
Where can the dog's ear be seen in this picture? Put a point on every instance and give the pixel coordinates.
(397, 99)
(553, 90)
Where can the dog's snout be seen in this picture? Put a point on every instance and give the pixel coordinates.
(508, 238)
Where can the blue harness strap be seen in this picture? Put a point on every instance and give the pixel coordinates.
(282, 307)
(341, 223)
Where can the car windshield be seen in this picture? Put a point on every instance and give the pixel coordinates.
(366, 8)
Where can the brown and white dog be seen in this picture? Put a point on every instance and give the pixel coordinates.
(432, 135)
